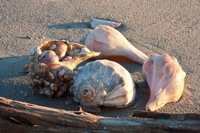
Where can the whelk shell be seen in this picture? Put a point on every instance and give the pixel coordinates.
(165, 78)
(103, 82)
(111, 42)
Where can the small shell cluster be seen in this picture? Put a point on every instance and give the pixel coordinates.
(103, 82)
(63, 49)
(52, 64)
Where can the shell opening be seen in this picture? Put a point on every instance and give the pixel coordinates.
(85, 92)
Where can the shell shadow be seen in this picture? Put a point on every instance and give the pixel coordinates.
(12, 66)
(74, 25)
(81, 25)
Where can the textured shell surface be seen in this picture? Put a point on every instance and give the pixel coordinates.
(103, 82)
(52, 63)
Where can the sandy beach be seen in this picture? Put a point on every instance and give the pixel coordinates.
(152, 26)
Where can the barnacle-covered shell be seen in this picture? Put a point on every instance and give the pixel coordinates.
(51, 80)
(62, 48)
(165, 78)
(52, 64)
(103, 82)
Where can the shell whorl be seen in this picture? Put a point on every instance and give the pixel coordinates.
(103, 82)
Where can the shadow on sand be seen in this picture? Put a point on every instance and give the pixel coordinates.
(74, 25)
(13, 85)
(81, 25)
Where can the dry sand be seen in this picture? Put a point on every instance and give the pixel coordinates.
(153, 26)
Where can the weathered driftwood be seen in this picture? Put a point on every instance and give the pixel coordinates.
(174, 116)
(20, 116)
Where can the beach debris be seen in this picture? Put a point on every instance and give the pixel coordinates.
(96, 22)
(103, 82)
(111, 42)
(52, 63)
(165, 78)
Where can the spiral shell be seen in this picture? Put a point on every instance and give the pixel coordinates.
(103, 82)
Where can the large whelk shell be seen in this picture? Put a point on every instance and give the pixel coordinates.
(165, 78)
(111, 42)
(103, 82)
(52, 64)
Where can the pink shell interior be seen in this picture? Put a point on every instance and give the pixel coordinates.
(165, 78)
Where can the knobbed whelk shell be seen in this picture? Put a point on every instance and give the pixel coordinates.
(52, 64)
(111, 42)
(103, 82)
(165, 78)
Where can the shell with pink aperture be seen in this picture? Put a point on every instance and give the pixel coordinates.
(165, 78)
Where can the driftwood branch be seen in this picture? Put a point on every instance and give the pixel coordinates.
(21, 116)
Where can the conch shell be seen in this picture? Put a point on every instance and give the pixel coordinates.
(103, 82)
(165, 78)
(52, 64)
(111, 42)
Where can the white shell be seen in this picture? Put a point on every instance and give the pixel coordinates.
(103, 82)
(53, 47)
(34, 53)
(85, 50)
(165, 78)
(97, 22)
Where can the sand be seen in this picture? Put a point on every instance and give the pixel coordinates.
(153, 26)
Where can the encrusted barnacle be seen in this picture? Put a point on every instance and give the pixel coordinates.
(61, 48)
(103, 82)
(52, 64)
